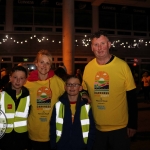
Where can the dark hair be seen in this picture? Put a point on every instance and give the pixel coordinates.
(19, 68)
(98, 34)
(73, 76)
(60, 72)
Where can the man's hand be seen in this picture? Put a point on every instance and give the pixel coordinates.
(131, 132)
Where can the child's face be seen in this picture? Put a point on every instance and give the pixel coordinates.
(73, 87)
(18, 79)
(43, 64)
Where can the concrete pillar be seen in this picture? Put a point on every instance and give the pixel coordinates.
(68, 35)
(95, 19)
(9, 15)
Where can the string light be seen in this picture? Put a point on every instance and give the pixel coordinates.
(135, 43)
(25, 41)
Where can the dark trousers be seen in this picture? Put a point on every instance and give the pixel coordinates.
(112, 140)
(146, 91)
(14, 141)
(36, 145)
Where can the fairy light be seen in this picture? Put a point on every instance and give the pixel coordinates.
(85, 41)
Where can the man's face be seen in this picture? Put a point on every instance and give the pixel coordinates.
(43, 64)
(18, 79)
(100, 46)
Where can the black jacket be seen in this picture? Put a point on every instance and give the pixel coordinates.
(14, 140)
(71, 138)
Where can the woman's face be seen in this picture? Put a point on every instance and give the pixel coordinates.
(43, 64)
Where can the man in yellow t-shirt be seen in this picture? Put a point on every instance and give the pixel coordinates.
(111, 87)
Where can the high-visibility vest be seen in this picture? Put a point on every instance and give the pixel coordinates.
(16, 120)
(84, 119)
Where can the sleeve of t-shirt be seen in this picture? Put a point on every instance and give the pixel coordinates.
(130, 83)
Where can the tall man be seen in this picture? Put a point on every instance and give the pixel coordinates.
(111, 87)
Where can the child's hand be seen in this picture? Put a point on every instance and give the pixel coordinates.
(84, 95)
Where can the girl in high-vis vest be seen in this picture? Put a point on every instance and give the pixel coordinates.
(14, 103)
(72, 123)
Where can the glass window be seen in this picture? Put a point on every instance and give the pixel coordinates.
(23, 59)
(23, 15)
(140, 22)
(123, 21)
(6, 59)
(58, 16)
(83, 18)
(148, 22)
(23, 28)
(43, 16)
(145, 67)
(2, 14)
(107, 20)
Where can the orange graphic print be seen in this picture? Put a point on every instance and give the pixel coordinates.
(101, 85)
(44, 96)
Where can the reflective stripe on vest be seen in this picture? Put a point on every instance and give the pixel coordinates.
(59, 119)
(84, 119)
(26, 110)
(12, 117)
(85, 122)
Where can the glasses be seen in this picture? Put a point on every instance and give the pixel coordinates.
(73, 84)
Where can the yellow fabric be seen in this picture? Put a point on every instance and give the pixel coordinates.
(17, 96)
(107, 86)
(73, 108)
(44, 94)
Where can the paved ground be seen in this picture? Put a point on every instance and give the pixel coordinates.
(142, 139)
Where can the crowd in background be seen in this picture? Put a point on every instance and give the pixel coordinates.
(142, 81)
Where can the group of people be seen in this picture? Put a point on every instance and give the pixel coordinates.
(45, 112)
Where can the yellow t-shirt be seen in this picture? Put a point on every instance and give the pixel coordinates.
(73, 109)
(107, 86)
(43, 95)
(17, 96)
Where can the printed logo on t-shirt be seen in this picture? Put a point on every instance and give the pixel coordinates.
(101, 85)
(44, 95)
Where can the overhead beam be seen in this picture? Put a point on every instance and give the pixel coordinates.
(97, 2)
(135, 3)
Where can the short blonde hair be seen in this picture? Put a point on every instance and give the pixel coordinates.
(44, 52)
